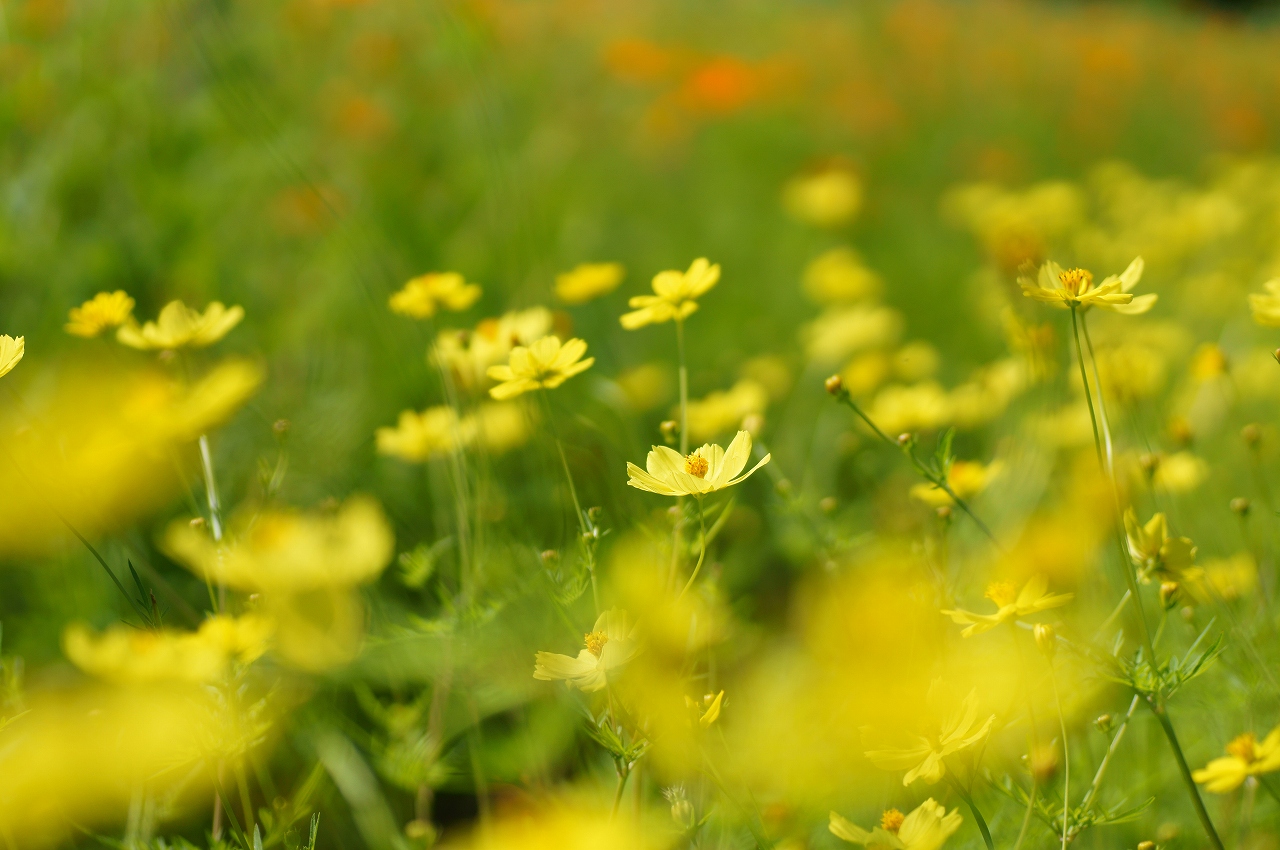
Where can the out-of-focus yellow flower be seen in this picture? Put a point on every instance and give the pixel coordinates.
(842, 332)
(966, 478)
(919, 406)
(11, 351)
(1246, 756)
(1035, 343)
(610, 644)
(1266, 306)
(724, 411)
(469, 354)
(1075, 287)
(712, 709)
(1232, 578)
(827, 198)
(646, 386)
(588, 281)
(179, 326)
(1180, 472)
(988, 393)
(866, 372)
(500, 426)
(927, 827)
(98, 448)
(124, 654)
(546, 364)
(419, 436)
(282, 550)
(675, 295)
(838, 276)
(1131, 372)
(102, 311)
(1209, 361)
(563, 825)
(316, 629)
(706, 470)
(916, 361)
(425, 294)
(924, 758)
(1154, 552)
(1011, 603)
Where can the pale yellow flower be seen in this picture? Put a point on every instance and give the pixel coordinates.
(924, 756)
(927, 827)
(966, 478)
(675, 295)
(179, 326)
(1011, 604)
(568, 824)
(547, 364)
(588, 281)
(1266, 306)
(827, 198)
(1075, 287)
(1154, 552)
(102, 311)
(124, 654)
(839, 276)
(724, 411)
(1246, 756)
(841, 332)
(500, 426)
(610, 644)
(1180, 472)
(11, 351)
(706, 470)
(434, 432)
(921, 406)
(282, 550)
(423, 295)
(468, 354)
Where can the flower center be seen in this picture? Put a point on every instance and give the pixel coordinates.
(891, 820)
(1245, 748)
(1002, 593)
(1076, 281)
(696, 465)
(595, 642)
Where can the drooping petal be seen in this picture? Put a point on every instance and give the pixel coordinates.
(641, 480)
(552, 666)
(749, 472)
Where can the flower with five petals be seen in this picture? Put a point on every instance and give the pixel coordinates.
(1075, 288)
(674, 297)
(706, 470)
(547, 363)
(610, 644)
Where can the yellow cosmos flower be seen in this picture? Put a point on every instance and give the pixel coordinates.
(179, 326)
(1012, 605)
(1246, 756)
(11, 351)
(826, 198)
(708, 469)
(283, 550)
(422, 296)
(547, 363)
(674, 297)
(926, 828)
(419, 436)
(588, 281)
(610, 644)
(1075, 287)
(1266, 307)
(966, 478)
(468, 354)
(102, 311)
(724, 411)
(923, 757)
(127, 655)
(1154, 552)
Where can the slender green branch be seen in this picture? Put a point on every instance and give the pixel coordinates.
(1066, 756)
(684, 388)
(1197, 803)
(702, 554)
(585, 540)
(977, 815)
(1092, 794)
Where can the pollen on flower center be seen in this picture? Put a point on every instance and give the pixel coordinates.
(595, 642)
(1245, 748)
(696, 465)
(1002, 593)
(1076, 281)
(891, 820)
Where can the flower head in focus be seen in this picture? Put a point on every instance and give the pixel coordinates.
(547, 363)
(1153, 551)
(1266, 306)
(1075, 287)
(102, 311)
(923, 757)
(966, 478)
(179, 326)
(1011, 604)
(706, 470)
(588, 281)
(425, 294)
(1246, 756)
(675, 295)
(127, 655)
(11, 351)
(610, 644)
(927, 827)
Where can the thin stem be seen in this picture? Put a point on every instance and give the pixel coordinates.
(215, 507)
(1266, 786)
(1163, 716)
(1106, 759)
(1102, 401)
(702, 529)
(617, 795)
(1066, 757)
(977, 815)
(585, 532)
(684, 389)
(1026, 817)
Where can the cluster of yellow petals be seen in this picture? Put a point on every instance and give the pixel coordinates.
(675, 295)
(1246, 756)
(11, 351)
(102, 311)
(546, 364)
(927, 827)
(1012, 604)
(423, 296)
(180, 326)
(1076, 288)
(124, 654)
(588, 281)
(705, 470)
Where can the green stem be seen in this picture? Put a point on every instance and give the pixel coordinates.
(977, 815)
(1162, 715)
(702, 529)
(1102, 401)
(585, 541)
(1106, 759)
(684, 389)
(1026, 817)
(617, 795)
(1066, 757)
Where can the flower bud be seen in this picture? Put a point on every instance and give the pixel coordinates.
(1104, 723)
(681, 809)
(834, 385)
(753, 424)
(1240, 506)
(1276, 355)
(784, 487)
(1146, 845)
(1046, 639)
(943, 512)
(669, 429)
(828, 504)
(1044, 763)
(281, 427)
(1169, 594)
(904, 438)
(1149, 463)
(549, 556)
(1251, 434)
